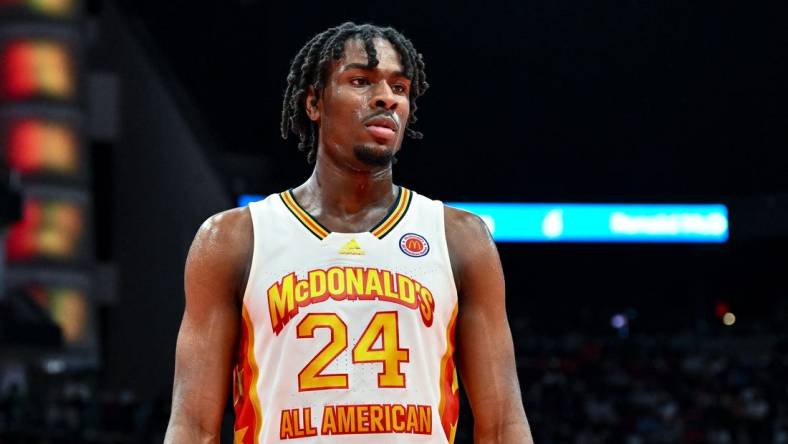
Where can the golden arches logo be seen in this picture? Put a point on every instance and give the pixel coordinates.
(414, 245)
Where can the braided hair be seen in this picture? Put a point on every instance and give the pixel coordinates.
(311, 68)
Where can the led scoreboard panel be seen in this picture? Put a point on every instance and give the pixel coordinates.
(607, 223)
(34, 67)
(49, 256)
(41, 146)
(525, 222)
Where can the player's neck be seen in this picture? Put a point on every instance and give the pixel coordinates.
(340, 189)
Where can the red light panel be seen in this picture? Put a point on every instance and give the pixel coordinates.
(37, 146)
(37, 68)
(49, 229)
(67, 306)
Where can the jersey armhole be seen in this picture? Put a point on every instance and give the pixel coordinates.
(445, 246)
(252, 263)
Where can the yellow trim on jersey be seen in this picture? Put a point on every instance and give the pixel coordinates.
(305, 218)
(255, 376)
(396, 215)
(380, 230)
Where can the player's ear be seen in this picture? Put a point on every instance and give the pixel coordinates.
(311, 104)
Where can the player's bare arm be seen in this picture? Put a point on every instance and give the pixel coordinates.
(214, 280)
(485, 353)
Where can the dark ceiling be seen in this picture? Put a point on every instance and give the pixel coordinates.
(535, 100)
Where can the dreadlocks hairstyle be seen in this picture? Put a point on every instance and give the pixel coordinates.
(311, 68)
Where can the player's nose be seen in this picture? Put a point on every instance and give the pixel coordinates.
(383, 97)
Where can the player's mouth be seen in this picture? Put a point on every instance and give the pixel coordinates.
(382, 127)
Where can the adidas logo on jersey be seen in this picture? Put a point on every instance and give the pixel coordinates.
(352, 247)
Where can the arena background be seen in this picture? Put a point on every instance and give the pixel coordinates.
(124, 124)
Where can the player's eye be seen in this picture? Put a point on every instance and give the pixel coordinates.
(399, 88)
(359, 81)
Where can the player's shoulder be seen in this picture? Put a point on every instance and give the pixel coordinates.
(222, 248)
(227, 234)
(468, 240)
(464, 225)
(227, 225)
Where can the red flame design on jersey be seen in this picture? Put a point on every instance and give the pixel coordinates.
(449, 408)
(248, 416)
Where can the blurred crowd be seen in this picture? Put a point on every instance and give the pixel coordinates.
(649, 390)
(52, 407)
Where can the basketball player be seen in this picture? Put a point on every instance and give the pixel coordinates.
(339, 308)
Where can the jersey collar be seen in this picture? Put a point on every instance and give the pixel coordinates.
(384, 227)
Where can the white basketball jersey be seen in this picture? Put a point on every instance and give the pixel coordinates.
(347, 337)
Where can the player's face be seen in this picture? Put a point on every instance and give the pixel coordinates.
(362, 111)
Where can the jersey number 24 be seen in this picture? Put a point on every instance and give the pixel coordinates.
(383, 324)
